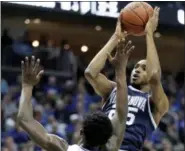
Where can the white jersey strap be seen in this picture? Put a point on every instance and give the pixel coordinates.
(150, 113)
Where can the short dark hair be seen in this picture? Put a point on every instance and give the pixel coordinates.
(97, 129)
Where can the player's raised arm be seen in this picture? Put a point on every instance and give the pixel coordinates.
(99, 82)
(31, 75)
(154, 69)
(119, 118)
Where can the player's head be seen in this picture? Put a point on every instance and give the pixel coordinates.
(96, 129)
(139, 74)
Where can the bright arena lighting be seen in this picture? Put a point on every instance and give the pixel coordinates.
(98, 28)
(27, 21)
(36, 21)
(35, 43)
(180, 16)
(84, 48)
(157, 35)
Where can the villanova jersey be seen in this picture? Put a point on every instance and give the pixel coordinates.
(140, 122)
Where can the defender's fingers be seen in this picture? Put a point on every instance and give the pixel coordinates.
(127, 45)
(121, 45)
(36, 68)
(26, 64)
(32, 62)
(130, 50)
(22, 66)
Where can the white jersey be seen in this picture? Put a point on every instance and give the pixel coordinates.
(79, 148)
(76, 148)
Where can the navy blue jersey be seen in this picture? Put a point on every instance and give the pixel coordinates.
(140, 122)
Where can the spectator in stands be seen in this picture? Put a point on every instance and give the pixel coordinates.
(21, 48)
(9, 106)
(52, 85)
(6, 39)
(66, 60)
(6, 43)
(4, 87)
(10, 145)
(56, 127)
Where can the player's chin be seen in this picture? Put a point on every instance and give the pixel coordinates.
(135, 81)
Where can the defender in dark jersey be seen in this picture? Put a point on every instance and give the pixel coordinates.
(145, 90)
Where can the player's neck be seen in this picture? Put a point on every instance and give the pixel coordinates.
(143, 88)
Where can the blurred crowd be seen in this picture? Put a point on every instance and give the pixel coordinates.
(53, 57)
(60, 103)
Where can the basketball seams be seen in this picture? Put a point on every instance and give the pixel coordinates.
(145, 9)
(136, 15)
(134, 32)
(131, 23)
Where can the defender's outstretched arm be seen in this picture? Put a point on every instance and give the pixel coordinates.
(31, 76)
(120, 116)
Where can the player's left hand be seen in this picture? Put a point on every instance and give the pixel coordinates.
(120, 33)
(152, 23)
(31, 72)
(119, 61)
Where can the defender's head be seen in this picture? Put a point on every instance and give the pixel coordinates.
(139, 74)
(96, 129)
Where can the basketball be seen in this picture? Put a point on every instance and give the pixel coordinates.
(134, 17)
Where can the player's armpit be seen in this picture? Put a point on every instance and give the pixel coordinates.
(111, 145)
(100, 83)
(56, 143)
(160, 101)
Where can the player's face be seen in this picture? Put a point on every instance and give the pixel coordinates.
(139, 74)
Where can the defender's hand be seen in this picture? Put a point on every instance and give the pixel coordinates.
(152, 23)
(31, 72)
(122, 54)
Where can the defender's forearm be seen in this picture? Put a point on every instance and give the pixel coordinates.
(122, 94)
(153, 64)
(98, 62)
(26, 120)
(25, 106)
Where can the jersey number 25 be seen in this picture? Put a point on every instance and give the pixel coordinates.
(130, 115)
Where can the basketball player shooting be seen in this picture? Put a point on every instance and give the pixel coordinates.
(147, 102)
(98, 133)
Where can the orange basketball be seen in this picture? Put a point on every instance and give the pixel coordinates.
(134, 17)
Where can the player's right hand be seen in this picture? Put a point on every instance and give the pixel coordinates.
(119, 61)
(31, 71)
(152, 23)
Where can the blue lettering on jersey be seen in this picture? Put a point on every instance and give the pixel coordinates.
(140, 122)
